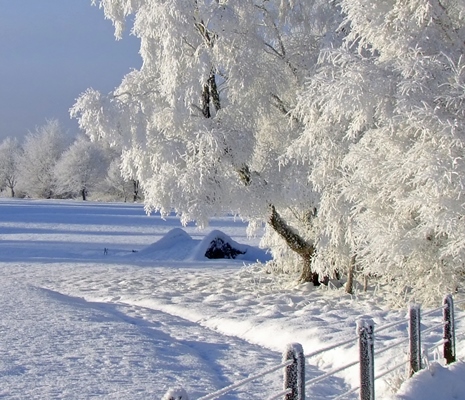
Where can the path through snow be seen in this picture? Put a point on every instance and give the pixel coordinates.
(56, 346)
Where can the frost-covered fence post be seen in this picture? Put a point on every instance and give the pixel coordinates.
(415, 339)
(365, 332)
(449, 329)
(294, 374)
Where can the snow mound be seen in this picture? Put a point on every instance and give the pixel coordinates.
(217, 245)
(435, 382)
(179, 245)
(175, 245)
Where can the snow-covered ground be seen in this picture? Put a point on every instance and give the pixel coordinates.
(93, 304)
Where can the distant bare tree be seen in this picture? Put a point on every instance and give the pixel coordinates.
(10, 152)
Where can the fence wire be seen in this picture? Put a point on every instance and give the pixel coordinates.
(332, 372)
(238, 384)
(332, 347)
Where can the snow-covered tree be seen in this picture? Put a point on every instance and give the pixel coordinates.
(118, 186)
(10, 152)
(204, 122)
(340, 124)
(118, 183)
(385, 136)
(41, 151)
(81, 168)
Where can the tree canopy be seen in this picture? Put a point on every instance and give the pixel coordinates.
(41, 151)
(339, 124)
(81, 168)
(384, 134)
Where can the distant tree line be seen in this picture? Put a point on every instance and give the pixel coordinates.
(50, 163)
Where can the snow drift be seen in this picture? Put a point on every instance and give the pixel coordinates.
(177, 244)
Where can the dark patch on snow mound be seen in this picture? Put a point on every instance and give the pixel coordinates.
(218, 245)
(221, 249)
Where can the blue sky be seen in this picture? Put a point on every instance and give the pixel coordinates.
(50, 52)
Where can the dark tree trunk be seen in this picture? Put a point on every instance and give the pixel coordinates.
(296, 243)
(215, 95)
(350, 276)
(83, 193)
(12, 190)
(136, 190)
(206, 101)
(210, 94)
(307, 275)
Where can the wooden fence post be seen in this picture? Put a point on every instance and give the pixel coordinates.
(365, 332)
(449, 329)
(415, 339)
(294, 374)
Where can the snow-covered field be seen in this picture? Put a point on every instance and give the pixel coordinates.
(92, 306)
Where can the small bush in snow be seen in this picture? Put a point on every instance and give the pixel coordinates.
(176, 394)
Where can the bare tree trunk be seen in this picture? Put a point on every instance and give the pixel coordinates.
(350, 276)
(206, 101)
(215, 95)
(136, 190)
(210, 94)
(296, 243)
(83, 193)
(307, 275)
